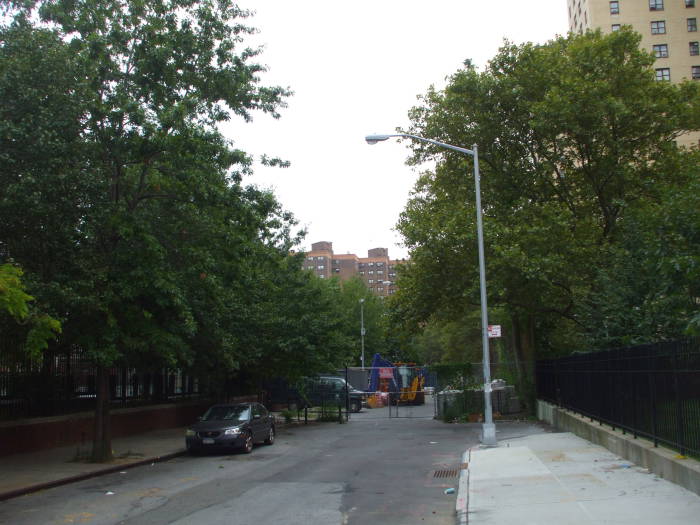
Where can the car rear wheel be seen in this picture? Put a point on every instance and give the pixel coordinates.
(270, 436)
(248, 443)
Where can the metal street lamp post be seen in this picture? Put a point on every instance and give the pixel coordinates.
(488, 435)
(362, 331)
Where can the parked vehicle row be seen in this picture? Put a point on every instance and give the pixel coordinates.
(228, 427)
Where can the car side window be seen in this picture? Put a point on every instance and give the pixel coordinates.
(262, 410)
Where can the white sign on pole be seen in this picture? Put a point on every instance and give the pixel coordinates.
(494, 330)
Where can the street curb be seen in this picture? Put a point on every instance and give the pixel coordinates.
(80, 477)
(462, 504)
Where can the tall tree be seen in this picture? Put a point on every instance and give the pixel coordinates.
(134, 177)
(570, 134)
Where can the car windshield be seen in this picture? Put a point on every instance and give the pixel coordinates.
(333, 383)
(227, 413)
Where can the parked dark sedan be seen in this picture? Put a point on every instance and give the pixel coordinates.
(228, 427)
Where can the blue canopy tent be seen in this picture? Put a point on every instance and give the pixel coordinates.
(379, 362)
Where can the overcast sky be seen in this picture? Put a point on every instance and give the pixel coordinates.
(356, 68)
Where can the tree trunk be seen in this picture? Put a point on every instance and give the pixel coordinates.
(102, 439)
(514, 345)
(524, 341)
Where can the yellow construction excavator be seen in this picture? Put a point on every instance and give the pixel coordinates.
(412, 383)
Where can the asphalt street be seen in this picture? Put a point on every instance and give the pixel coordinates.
(370, 470)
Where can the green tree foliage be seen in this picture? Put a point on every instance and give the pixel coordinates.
(121, 199)
(376, 338)
(441, 341)
(13, 299)
(649, 288)
(303, 324)
(18, 317)
(575, 137)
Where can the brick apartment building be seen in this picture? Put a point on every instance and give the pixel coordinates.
(376, 270)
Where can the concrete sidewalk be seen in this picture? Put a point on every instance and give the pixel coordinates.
(26, 473)
(563, 479)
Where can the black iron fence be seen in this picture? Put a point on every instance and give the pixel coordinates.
(651, 390)
(66, 382)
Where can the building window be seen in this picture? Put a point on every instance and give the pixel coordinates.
(371, 272)
(658, 27)
(661, 50)
(695, 72)
(690, 3)
(694, 48)
(692, 24)
(322, 276)
(614, 8)
(616, 27)
(362, 273)
(663, 73)
(656, 5)
(321, 266)
(371, 281)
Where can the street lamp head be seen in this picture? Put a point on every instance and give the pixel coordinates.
(373, 139)
(362, 300)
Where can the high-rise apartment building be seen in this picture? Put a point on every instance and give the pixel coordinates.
(376, 270)
(669, 30)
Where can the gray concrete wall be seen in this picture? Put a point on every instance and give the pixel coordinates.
(663, 462)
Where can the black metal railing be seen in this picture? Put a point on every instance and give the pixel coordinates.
(65, 383)
(650, 390)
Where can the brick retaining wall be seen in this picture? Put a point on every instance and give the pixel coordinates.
(34, 434)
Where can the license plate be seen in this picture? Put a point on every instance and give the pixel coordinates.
(207, 441)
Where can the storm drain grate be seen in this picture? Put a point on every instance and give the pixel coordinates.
(449, 473)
